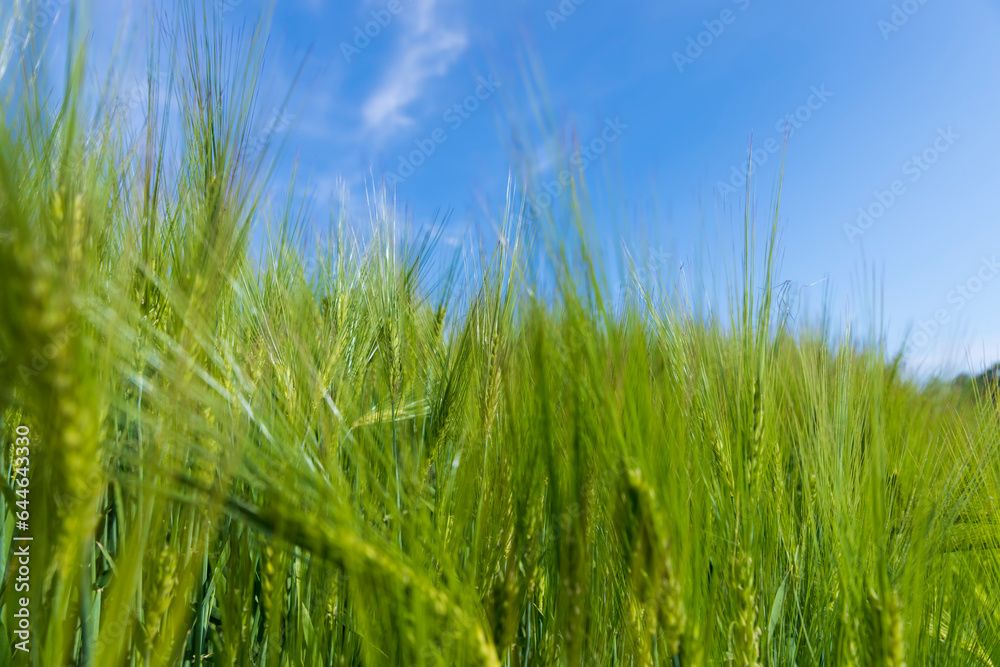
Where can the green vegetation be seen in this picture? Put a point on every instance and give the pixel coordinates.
(280, 462)
(979, 387)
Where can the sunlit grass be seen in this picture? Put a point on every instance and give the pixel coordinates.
(279, 462)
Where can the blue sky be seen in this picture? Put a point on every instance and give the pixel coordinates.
(892, 158)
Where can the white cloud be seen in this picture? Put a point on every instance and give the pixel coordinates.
(426, 50)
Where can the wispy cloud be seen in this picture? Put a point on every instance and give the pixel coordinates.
(427, 49)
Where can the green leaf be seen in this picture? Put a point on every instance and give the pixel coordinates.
(776, 607)
(5, 654)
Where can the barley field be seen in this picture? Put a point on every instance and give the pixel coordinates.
(221, 455)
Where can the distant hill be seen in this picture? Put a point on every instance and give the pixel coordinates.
(985, 384)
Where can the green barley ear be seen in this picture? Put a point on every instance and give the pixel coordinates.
(744, 631)
(657, 612)
(894, 619)
(164, 584)
(439, 322)
(757, 454)
(885, 627)
(637, 540)
(268, 582)
(670, 608)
